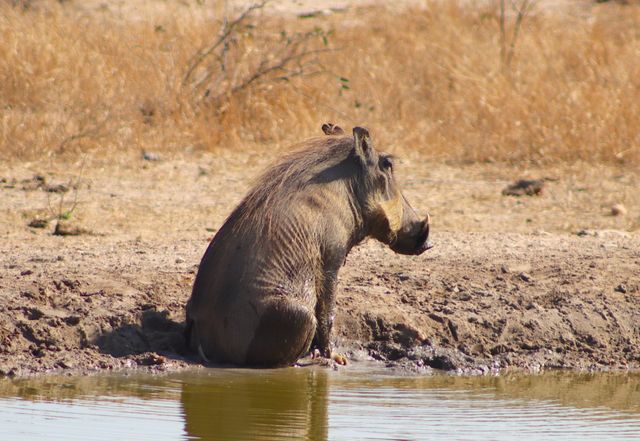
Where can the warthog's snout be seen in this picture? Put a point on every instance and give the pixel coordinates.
(413, 237)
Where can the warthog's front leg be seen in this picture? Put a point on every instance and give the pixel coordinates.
(325, 307)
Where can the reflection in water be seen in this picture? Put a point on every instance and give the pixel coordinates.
(265, 405)
(543, 407)
(616, 391)
(318, 404)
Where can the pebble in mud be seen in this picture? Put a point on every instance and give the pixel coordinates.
(618, 210)
(525, 277)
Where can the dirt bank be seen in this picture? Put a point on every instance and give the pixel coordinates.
(510, 283)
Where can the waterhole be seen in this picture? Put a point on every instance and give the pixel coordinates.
(319, 404)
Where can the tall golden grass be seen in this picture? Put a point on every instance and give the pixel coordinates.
(425, 79)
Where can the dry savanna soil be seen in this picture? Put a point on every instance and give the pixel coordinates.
(548, 280)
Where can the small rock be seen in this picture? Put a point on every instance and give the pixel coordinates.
(618, 210)
(68, 229)
(150, 156)
(320, 12)
(65, 364)
(150, 359)
(339, 359)
(72, 320)
(179, 260)
(532, 305)
(525, 277)
(38, 181)
(33, 313)
(525, 187)
(57, 188)
(26, 272)
(39, 223)
(499, 349)
(9, 372)
(622, 288)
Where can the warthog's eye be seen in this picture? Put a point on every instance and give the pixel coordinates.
(386, 163)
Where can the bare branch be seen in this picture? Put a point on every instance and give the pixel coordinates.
(227, 30)
(523, 10)
(60, 213)
(265, 69)
(239, 59)
(86, 132)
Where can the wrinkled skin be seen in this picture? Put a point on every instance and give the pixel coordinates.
(265, 289)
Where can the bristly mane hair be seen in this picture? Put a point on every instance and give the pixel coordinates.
(290, 175)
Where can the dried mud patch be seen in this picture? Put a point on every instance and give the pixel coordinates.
(90, 310)
(499, 301)
(463, 307)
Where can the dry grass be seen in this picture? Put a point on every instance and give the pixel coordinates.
(427, 80)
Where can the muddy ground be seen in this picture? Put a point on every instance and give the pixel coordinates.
(532, 282)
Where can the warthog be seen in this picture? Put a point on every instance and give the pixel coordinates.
(266, 285)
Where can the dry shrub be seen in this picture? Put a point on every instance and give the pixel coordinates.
(427, 80)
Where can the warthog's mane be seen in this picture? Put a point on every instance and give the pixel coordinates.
(272, 191)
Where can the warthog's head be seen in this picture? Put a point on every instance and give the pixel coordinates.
(386, 213)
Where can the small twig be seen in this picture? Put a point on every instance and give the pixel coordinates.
(264, 69)
(85, 133)
(59, 214)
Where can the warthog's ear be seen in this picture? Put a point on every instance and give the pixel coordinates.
(363, 145)
(331, 129)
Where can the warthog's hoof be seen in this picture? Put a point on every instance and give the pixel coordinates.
(339, 359)
(328, 361)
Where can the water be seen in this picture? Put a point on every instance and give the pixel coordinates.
(319, 404)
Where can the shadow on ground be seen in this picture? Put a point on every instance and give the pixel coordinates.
(156, 333)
